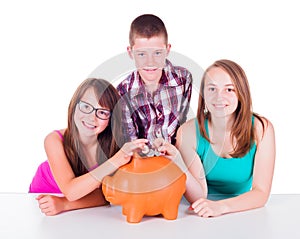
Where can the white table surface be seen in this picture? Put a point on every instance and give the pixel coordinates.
(20, 217)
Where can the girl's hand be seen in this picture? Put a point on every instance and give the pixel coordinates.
(208, 208)
(123, 156)
(166, 148)
(171, 152)
(51, 205)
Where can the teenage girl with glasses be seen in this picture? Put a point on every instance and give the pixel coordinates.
(81, 155)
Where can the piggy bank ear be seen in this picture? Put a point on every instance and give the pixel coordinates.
(106, 182)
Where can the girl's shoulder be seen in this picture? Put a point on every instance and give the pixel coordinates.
(188, 127)
(262, 126)
(55, 136)
(186, 133)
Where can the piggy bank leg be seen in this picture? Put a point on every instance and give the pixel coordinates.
(170, 213)
(134, 212)
(125, 211)
(170, 210)
(134, 217)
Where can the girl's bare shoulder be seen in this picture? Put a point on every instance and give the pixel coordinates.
(188, 126)
(262, 126)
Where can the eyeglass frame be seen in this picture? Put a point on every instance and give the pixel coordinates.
(80, 102)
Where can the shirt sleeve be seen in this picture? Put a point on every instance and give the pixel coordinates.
(128, 125)
(187, 92)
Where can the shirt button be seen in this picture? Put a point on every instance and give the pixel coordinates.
(158, 133)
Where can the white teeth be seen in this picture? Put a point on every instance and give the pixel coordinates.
(89, 125)
(220, 106)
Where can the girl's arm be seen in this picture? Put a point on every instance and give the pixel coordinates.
(262, 173)
(196, 186)
(73, 187)
(51, 205)
(262, 179)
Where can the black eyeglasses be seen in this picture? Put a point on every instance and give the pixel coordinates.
(87, 109)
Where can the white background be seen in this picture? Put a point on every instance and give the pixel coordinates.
(48, 47)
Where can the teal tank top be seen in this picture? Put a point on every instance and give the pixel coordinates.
(226, 177)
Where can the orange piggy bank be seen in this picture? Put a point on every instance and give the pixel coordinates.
(146, 186)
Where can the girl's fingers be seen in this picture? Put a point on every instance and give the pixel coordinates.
(168, 149)
(158, 142)
(130, 147)
(40, 196)
(197, 203)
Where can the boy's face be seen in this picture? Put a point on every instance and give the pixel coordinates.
(150, 56)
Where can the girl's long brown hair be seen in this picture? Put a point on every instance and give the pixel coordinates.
(242, 131)
(110, 140)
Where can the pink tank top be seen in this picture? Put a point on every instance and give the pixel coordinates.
(43, 181)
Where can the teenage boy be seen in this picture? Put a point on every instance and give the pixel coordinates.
(156, 96)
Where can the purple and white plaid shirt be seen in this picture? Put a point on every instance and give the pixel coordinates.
(159, 114)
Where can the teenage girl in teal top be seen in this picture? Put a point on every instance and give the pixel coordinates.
(228, 150)
(223, 176)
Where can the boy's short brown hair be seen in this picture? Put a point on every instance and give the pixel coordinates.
(147, 25)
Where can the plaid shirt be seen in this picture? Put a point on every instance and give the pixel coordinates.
(159, 114)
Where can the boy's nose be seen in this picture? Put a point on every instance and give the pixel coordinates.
(150, 60)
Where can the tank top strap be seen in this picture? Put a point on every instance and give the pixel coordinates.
(197, 130)
(60, 134)
(201, 142)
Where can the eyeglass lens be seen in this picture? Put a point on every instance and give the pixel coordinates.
(87, 109)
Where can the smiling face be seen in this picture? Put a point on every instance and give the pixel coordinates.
(88, 124)
(219, 93)
(149, 55)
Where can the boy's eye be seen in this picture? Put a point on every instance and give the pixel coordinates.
(157, 53)
(141, 54)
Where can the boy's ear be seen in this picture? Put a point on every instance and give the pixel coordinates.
(129, 51)
(168, 48)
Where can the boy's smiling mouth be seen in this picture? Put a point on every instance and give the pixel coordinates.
(150, 69)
